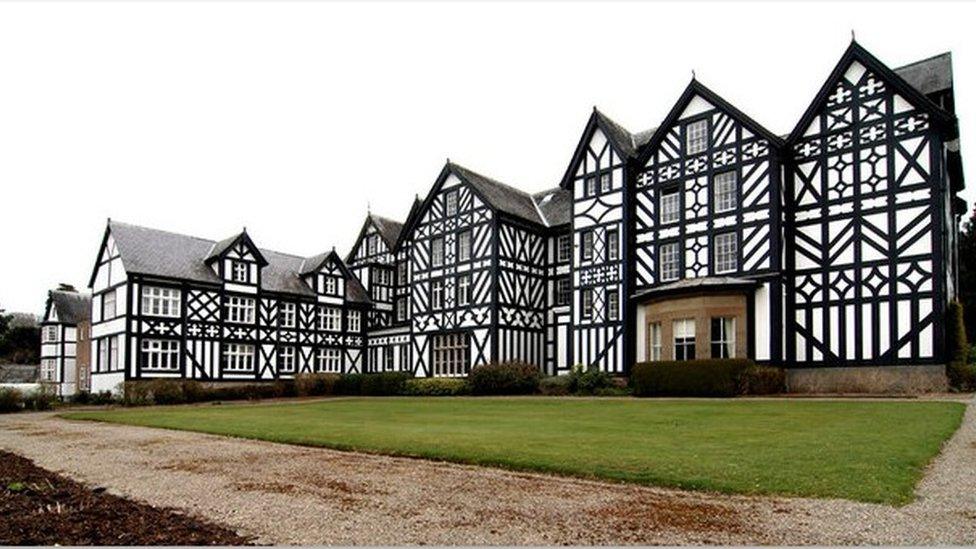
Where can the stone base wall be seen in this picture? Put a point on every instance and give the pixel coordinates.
(886, 380)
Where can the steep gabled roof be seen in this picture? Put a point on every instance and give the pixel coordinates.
(930, 75)
(500, 196)
(71, 307)
(940, 118)
(354, 289)
(161, 253)
(556, 205)
(388, 229)
(220, 248)
(696, 88)
(625, 143)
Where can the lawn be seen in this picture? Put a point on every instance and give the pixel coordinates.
(866, 451)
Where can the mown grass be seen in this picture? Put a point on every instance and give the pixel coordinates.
(864, 451)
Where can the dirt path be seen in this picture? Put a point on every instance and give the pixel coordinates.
(284, 494)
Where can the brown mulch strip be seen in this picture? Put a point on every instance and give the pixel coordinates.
(38, 507)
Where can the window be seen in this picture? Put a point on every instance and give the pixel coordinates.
(401, 308)
(725, 192)
(371, 242)
(240, 310)
(437, 252)
(331, 285)
(388, 358)
(330, 319)
(238, 357)
(113, 353)
(240, 271)
(108, 305)
(613, 305)
(286, 315)
(723, 337)
(355, 320)
(402, 273)
(449, 354)
(587, 251)
(613, 245)
(49, 369)
(590, 189)
(725, 253)
(696, 137)
(563, 291)
(464, 246)
(103, 355)
(587, 305)
(684, 339)
(564, 245)
(437, 294)
(669, 262)
(160, 301)
(286, 359)
(464, 290)
(605, 182)
(50, 334)
(450, 203)
(159, 354)
(670, 205)
(654, 340)
(328, 360)
(383, 276)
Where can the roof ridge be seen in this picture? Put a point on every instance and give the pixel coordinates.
(491, 179)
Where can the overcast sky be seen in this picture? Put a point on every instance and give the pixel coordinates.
(289, 118)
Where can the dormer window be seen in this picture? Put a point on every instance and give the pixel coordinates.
(331, 285)
(240, 271)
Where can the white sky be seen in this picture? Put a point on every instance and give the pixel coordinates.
(289, 118)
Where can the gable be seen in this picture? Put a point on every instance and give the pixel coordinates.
(109, 268)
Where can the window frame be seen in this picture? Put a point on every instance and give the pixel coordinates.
(730, 263)
(437, 251)
(238, 357)
(240, 309)
(728, 196)
(700, 141)
(564, 248)
(662, 256)
(613, 304)
(328, 359)
(170, 301)
(655, 341)
(450, 354)
(354, 321)
(240, 271)
(586, 303)
(159, 351)
(670, 215)
(589, 185)
(586, 245)
(464, 245)
(437, 294)
(606, 182)
(725, 338)
(286, 310)
(329, 318)
(613, 244)
(564, 296)
(462, 290)
(115, 307)
(680, 349)
(450, 199)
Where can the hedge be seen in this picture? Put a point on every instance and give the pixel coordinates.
(706, 378)
(384, 383)
(436, 386)
(507, 378)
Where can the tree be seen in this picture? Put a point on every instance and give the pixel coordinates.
(967, 274)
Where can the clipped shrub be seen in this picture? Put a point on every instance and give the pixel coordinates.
(136, 393)
(507, 378)
(762, 380)
(81, 397)
(589, 381)
(194, 391)
(102, 398)
(41, 399)
(707, 378)
(11, 400)
(957, 348)
(349, 384)
(384, 383)
(318, 384)
(962, 375)
(435, 386)
(166, 391)
(556, 385)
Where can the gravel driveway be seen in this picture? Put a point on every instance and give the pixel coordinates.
(285, 494)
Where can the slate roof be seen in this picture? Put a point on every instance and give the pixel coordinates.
(163, 253)
(19, 373)
(625, 141)
(389, 229)
(71, 307)
(502, 197)
(697, 284)
(929, 75)
(555, 205)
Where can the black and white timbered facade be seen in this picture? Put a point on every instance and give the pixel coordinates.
(708, 236)
(186, 307)
(65, 347)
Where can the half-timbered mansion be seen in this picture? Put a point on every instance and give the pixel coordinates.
(707, 236)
